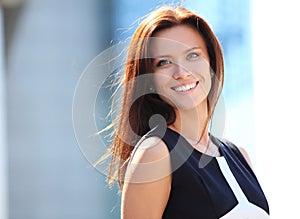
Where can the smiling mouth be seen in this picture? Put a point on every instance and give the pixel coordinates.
(186, 87)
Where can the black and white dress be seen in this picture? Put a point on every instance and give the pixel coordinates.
(210, 187)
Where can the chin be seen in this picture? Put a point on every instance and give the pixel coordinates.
(190, 105)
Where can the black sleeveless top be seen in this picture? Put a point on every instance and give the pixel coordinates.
(199, 188)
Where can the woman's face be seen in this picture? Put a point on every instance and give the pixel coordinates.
(181, 66)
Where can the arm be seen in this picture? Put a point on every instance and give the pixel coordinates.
(147, 181)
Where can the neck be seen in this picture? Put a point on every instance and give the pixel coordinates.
(191, 123)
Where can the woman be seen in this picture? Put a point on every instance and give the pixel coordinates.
(168, 164)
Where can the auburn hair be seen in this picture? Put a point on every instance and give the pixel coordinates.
(137, 109)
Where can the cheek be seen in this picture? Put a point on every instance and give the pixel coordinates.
(202, 71)
(204, 68)
(161, 82)
(199, 67)
(207, 85)
(162, 85)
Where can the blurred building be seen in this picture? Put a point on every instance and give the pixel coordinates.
(47, 45)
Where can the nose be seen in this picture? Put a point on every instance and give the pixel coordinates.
(181, 72)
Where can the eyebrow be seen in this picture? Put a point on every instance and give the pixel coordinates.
(186, 51)
(193, 48)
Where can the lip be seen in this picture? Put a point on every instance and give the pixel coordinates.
(185, 87)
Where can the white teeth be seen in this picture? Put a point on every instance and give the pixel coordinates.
(185, 87)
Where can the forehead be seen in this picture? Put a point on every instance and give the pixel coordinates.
(175, 39)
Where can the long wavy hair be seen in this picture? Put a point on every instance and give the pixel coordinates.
(137, 109)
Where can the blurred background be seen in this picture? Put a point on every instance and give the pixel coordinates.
(45, 45)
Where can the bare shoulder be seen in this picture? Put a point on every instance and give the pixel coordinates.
(246, 156)
(147, 181)
(150, 149)
(150, 161)
(241, 150)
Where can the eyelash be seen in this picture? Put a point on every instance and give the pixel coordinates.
(161, 63)
(193, 54)
(164, 62)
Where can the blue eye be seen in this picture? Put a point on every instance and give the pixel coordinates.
(163, 63)
(192, 55)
